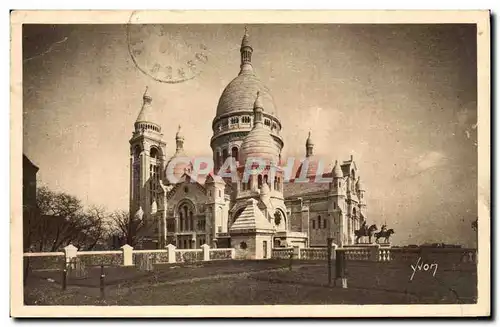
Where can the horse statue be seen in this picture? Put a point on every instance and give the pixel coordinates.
(386, 234)
(365, 231)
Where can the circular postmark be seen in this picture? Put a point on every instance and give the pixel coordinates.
(167, 53)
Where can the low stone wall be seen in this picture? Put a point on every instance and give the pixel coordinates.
(97, 258)
(281, 253)
(438, 255)
(188, 255)
(45, 260)
(222, 254)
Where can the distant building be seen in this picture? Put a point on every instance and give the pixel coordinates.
(29, 195)
(251, 215)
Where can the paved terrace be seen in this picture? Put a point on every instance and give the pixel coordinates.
(257, 283)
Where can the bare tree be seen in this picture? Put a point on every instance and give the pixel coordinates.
(129, 229)
(60, 219)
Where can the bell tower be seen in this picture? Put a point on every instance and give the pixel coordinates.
(147, 161)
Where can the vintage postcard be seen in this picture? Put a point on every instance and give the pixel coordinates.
(250, 163)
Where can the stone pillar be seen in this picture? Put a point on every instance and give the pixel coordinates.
(334, 251)
(206, 252)
(127, 252)
(233, 253)
(296, 252)
(70, 252)
(374, 251)
(171, 253)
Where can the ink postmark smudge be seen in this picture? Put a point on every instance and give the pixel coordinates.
(166, 53)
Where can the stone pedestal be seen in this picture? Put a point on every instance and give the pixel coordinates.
(206, 252)
(127, 252)
(171, 253)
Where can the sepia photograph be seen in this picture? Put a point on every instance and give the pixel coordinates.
(225, 164)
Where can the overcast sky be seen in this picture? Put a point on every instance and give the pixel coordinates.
(400, 98)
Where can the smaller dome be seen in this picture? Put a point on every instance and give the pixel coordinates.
(337, 171)
(178, 165)
(259, 143)
(180, 161)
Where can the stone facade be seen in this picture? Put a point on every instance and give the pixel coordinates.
(255, 212)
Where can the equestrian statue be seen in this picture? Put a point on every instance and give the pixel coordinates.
(385, 233)
(364, 230)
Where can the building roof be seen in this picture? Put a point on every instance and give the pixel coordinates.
(27, 163)
(291, 190)
(239, 95)
(147, 113)
(251, 218)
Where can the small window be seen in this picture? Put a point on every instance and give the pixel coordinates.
(186, 189)
(243, 246)
(220, 194)
(324, 224)
(314, 224)
(267, 122)
(319, 222)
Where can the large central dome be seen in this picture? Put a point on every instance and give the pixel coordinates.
(239, 95)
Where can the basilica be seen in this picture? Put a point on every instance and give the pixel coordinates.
(256, 209)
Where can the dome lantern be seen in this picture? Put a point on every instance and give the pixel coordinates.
(246, 54)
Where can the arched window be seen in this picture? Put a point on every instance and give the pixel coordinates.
(181, 219)
(250, 182)
(354, 212)
(265, 179)
(259, 181)
(279, 184)
(267, 122)
(191, 222)
(234, 153)
(275, 182)
(153, 153)
(319, 221)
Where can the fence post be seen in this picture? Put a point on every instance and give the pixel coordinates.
(102, 281)
(329, 242)
(206, 252)
(374, 252)
(233, 253)
(171, 253)
(64, 275)
(340, 279)
(127, 252)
